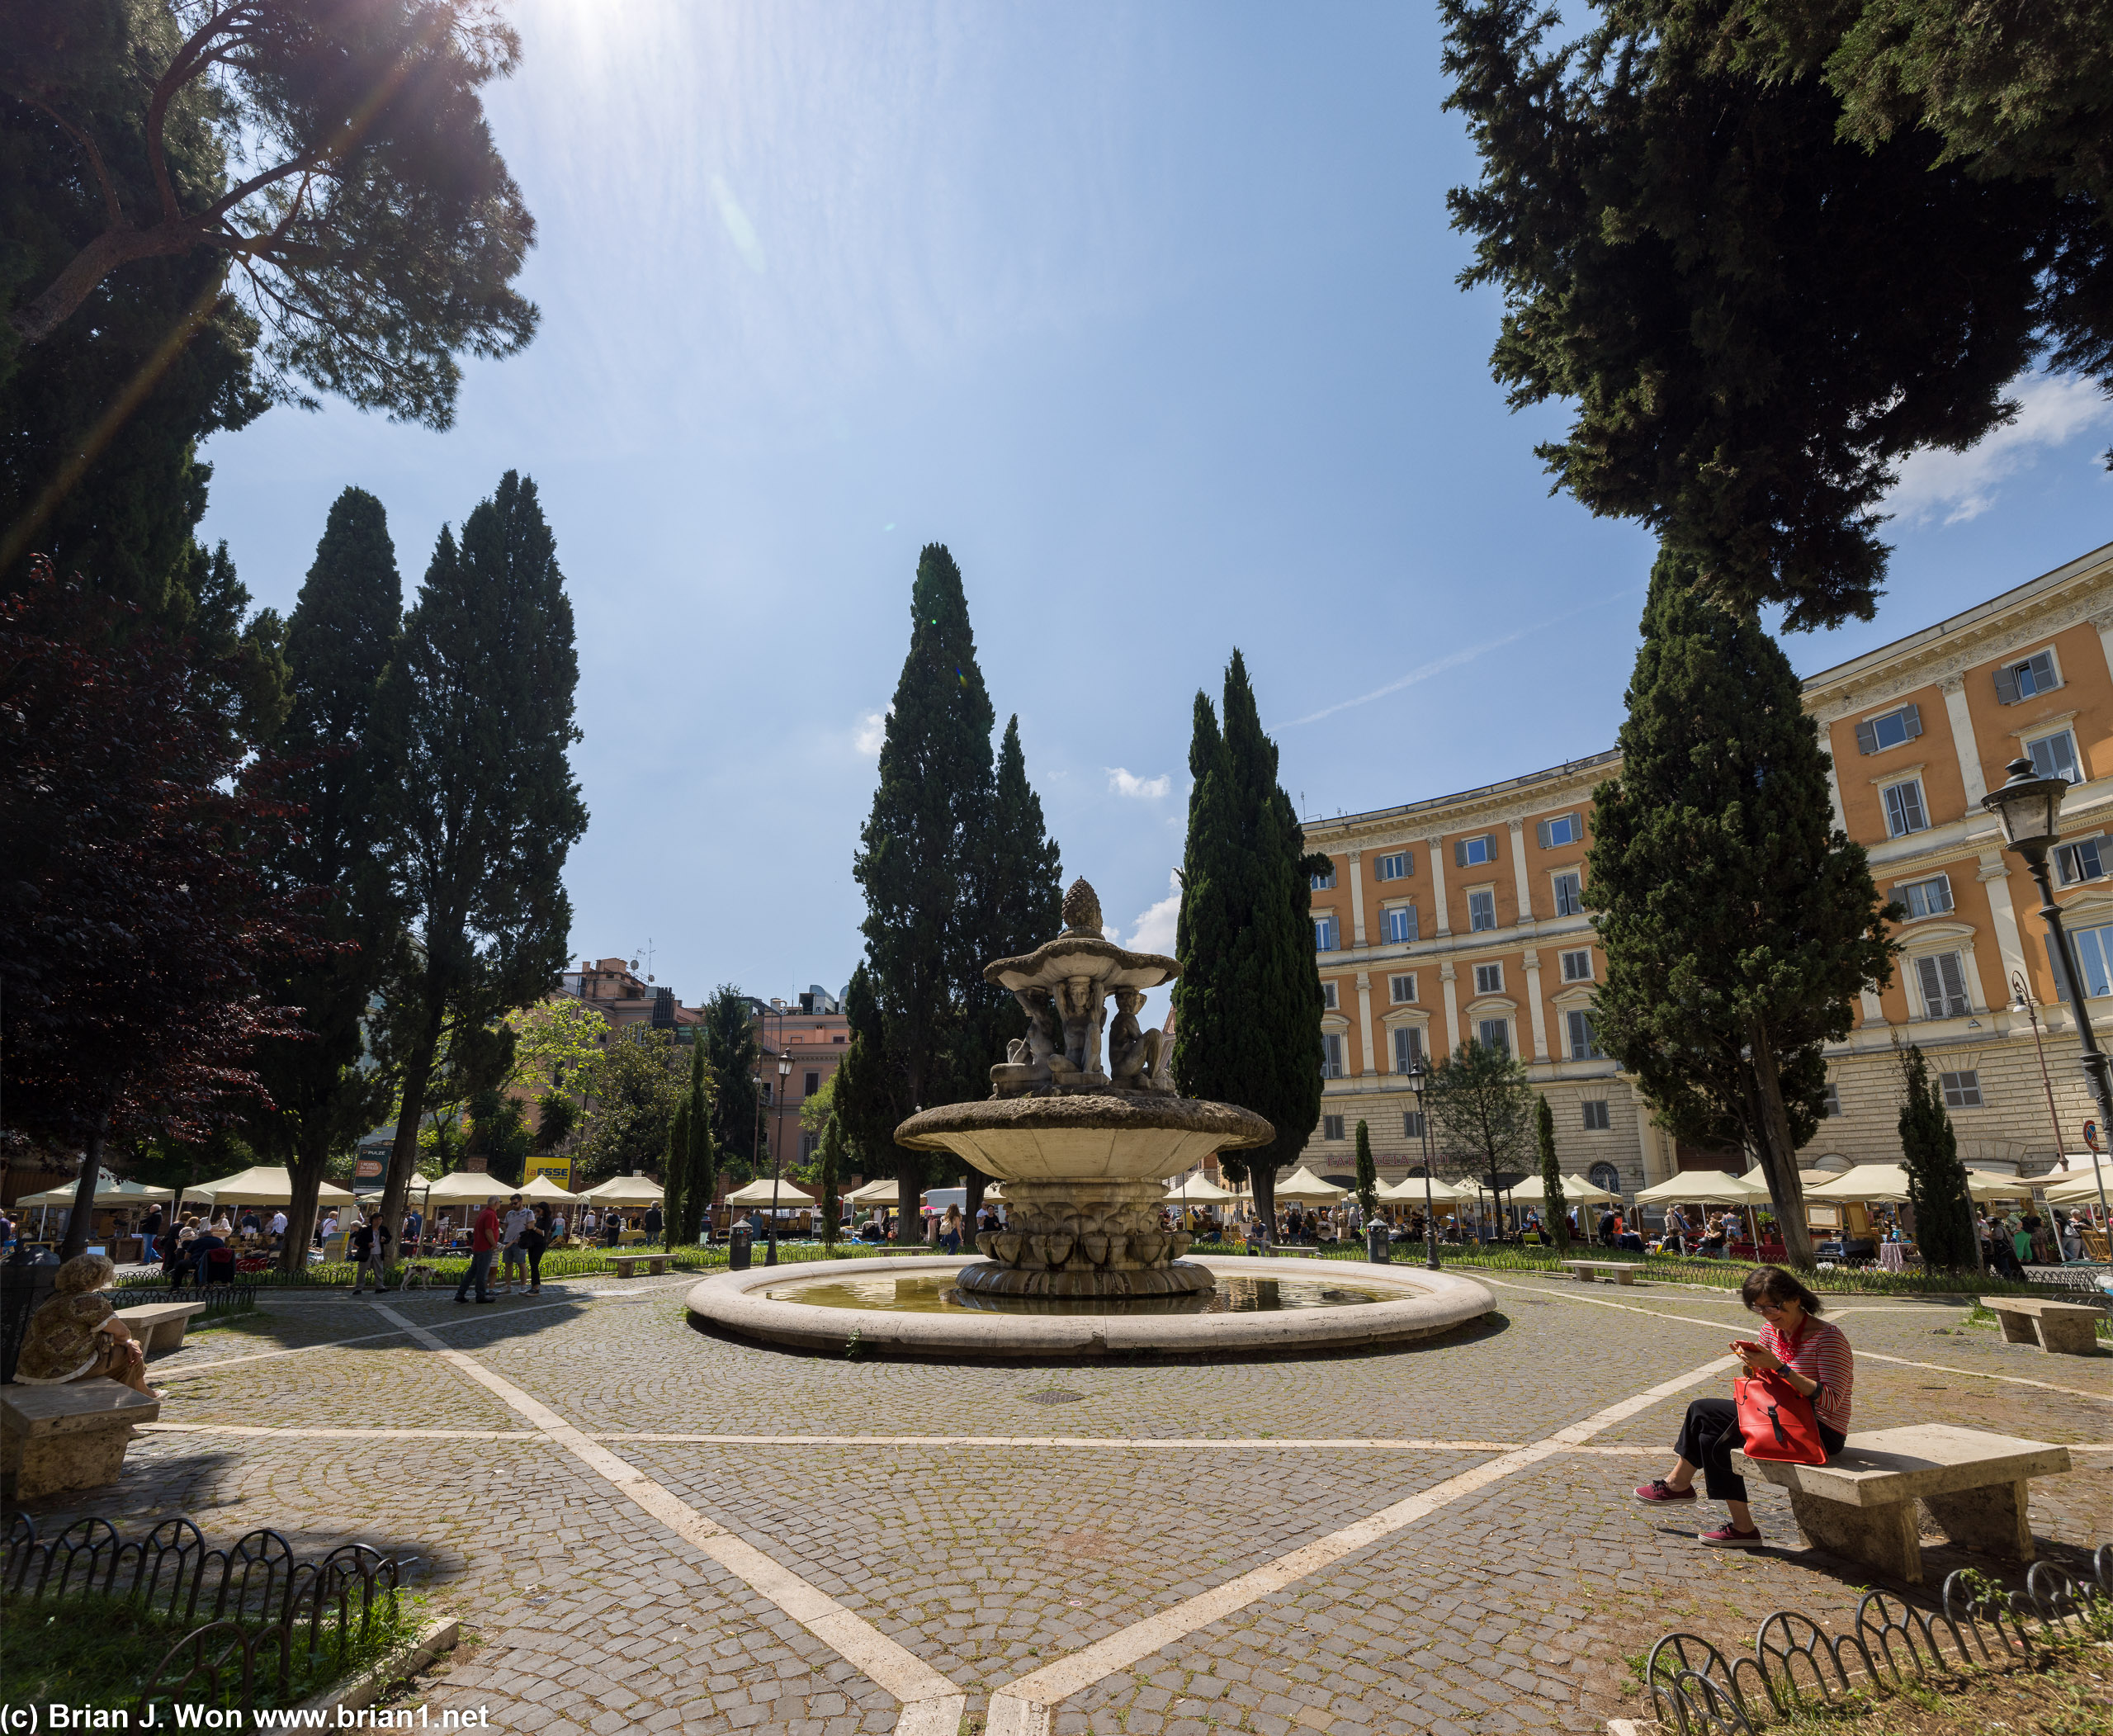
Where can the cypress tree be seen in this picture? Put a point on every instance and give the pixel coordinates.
(1555, 1212)
(692, 1150)
(1368, 1174)
(1739, 924)
(828, 1175)
(324, 1089)
(1944, 1229)
(477, 714)
(732, 1052)
(674, 1170)
(1247, 1003)
(864, 1101)
(917, 863)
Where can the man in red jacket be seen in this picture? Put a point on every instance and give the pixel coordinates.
(484, 1243)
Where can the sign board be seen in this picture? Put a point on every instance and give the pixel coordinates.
(558, 1169)
(368, 1169)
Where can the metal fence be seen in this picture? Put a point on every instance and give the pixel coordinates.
(1692, 1689)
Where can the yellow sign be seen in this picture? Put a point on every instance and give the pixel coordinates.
(558, 1169)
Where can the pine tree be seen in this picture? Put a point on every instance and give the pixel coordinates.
(828, 1175)
(1368, 1174)
(325, 1088)
(1481, 1108)
(918, 863)
(476, 717)
(1945, 1229)
(1555, 1212)
(1739, 925)
(1247, 1003)
(732, 1052)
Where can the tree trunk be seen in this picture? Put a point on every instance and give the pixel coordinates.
(1262, 1177)
(84, 1194)
(305, 1179)
(908, 1189)
(115, 247)
(971, 1203)
(403, 1153)
(1778, 1159)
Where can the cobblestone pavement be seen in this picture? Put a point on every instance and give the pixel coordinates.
(1062, 1506)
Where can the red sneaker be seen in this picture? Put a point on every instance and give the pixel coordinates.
(1658, 1490)
(1730, 1537)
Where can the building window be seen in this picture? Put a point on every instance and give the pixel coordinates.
(1943, 978)
(2036, 674)
(2081, 861)
(1895, 729)
(2095, 957)
(1577, 965)
(1832, 1106)
(1481, 911)
(1474, 852)
(1903, 809)
(1606, 1176)
(1324, 933)
(1489, 979)
(1399, 925)
(2055, 756)
(1331, 1055)
(1583, 1042)
(1412, 1123)
(1325, 882)
(1408, 1046)
(1596, 1120)
(810, 1143)
(1564, 828)
(1930, 897)
(1495, 1033)
(1569, 895)
(813, 1081)
(1331, 1127)
(1402, 990)
(1962, 1090)
(767, 1089)
(1399, 866)
(1330, 996)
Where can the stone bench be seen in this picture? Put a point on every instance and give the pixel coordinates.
(55, 1438)
(2069, 1328)
(1619, 1271)
(1860, 1504)
(160, 1326)
(628, 1265)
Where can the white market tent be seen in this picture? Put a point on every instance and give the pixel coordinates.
(1886, 1184)
(757, 1193)
(1704, 1187)
(541, 1187)
(1308, 1189)
(470, 1187)
(625, 1190)
(883, 1192)
(1409, 1191)
(126, 1193)
(1197, 1190)
(262, 1185)
(1576, 1190)
(2078, 1183)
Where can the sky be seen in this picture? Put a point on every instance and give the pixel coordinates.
(1149, 315)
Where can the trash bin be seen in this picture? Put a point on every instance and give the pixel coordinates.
(1376, 1243)
(737, 1248)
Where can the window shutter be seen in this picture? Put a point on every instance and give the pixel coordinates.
(1542, 829)
(1933, 987)
(1459, 853)
(1911, 716)
(2042, 664)
(2062, 989)
(1867, 738)
(2006, 686)
(1955, 977)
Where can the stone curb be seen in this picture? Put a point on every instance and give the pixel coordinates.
(442, 1633)
(1432, 1303)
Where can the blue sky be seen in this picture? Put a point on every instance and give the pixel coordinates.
(1148, 314)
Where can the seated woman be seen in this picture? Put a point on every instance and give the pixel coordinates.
(1814, 1356)
(77, 1335)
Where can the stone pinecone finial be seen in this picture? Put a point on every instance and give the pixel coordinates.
(1082, 907)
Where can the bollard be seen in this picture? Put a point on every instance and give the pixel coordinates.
(1376, 1246)
(737, 1248)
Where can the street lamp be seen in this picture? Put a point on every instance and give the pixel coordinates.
(2029, 811)
(778, 1145)
(1418, 1074)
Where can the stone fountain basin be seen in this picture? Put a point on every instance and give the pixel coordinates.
(1115, 1136)
(1432, 1303)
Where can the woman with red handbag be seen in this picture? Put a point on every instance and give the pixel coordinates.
(1793, 1404)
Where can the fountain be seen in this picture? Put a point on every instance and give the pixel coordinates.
(1085, 1265)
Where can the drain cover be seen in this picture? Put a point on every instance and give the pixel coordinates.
(1055, 1395)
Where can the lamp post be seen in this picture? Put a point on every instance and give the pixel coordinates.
(2030, 810)
(777, 1144)
(1418, 1074)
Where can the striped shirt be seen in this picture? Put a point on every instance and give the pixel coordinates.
(1820, 1352)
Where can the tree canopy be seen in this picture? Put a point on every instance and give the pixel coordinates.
(1945, 1230)
(1481, 1109)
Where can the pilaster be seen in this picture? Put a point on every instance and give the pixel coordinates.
(1449, 977)
(1533, 961)
(1363, 1004)
(1357, 915)
(1434, 851)
(1963, 741)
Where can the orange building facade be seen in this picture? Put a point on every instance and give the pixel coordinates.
(1463, 916)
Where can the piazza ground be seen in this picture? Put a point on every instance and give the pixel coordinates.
(645, 1526)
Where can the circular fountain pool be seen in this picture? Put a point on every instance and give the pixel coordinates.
(913, 1307)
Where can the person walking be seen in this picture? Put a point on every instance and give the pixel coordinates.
(1815, 1358)
(150, 1229)
(535, 1237)
(613, 1229)
(484, 1243)
(518, 1219)
(368, 1245)
(653, 1223)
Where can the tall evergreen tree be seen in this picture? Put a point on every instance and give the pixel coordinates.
(674, 1170)
(1368, 1174)
(829, 1177)
(919, 856)
(476, 717)
(325, 1088)
(691, 1176)
(1944, 1229)
(733, 1054)
(864, 1099)
(1555, 1210)
(1247, 1003)
(1739, 924)
(1482, 1107)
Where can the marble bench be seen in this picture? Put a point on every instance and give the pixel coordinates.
(1861, 1503)
(1619, 1271)
(55, 1438)
(160, 1326)
(2069, 1328)
(628, 1265)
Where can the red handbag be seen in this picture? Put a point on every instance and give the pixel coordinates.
(1776, 1421)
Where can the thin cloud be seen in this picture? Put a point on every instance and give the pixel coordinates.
(1155, 930)
(872, 729)
(1453, 659)
(2053, 409)
(1145, 789)
(738, 229)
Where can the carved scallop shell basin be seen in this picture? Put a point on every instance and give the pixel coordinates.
(1371, 1308)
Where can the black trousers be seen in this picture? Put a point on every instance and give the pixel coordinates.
(1709, 1434)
